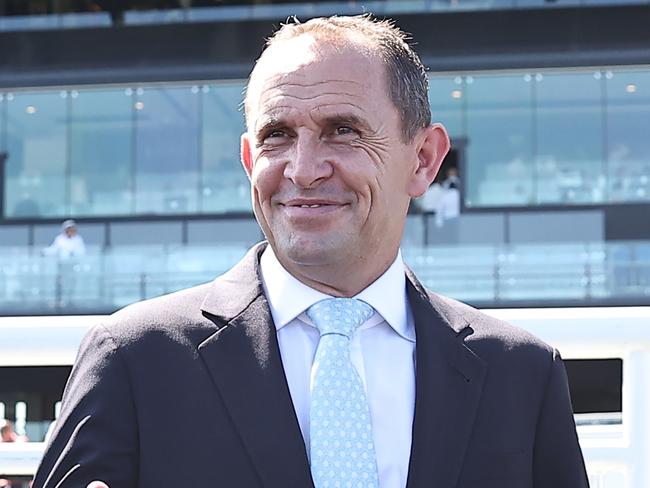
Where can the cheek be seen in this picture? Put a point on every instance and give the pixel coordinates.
(361, 170)
(266, 180)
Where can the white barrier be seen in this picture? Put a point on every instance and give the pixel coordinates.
(617, 456)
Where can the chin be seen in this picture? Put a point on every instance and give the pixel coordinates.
(315, 251)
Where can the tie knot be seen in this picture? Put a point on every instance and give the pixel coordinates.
(339, 315)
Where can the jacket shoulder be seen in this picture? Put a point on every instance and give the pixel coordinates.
(491, 335)
(176, 316)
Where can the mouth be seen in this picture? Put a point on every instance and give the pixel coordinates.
(311, 203)
(311, 208)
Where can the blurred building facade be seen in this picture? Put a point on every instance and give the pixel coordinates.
(126, 116)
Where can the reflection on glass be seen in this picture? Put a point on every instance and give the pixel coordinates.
(36, 148)
(224, 186)
(570, 160)
(628, 144)
(101, 152)
(3, 116)
(499, 141)
(446, 99)
(560, 137)
(166, 148)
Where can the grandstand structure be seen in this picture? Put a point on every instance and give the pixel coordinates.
(128, 120)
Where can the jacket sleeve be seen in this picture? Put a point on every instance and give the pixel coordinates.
(96, 435)
(557, 458)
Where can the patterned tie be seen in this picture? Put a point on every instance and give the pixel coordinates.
(341, 444)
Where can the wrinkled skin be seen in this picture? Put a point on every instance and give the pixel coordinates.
(331, 175)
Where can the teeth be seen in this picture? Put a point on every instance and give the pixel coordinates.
(310, 206)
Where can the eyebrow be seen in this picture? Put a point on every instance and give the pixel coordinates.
(269, 124)
(272, 122)
(347, 119)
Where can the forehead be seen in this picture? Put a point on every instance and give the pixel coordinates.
(304, 75)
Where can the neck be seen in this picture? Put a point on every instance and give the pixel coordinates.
(343, 280)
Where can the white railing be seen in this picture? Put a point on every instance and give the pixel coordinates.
(617, 454)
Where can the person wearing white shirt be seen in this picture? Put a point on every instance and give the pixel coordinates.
(339, 140)
(390, 332)
(448, 206)
(68, 243)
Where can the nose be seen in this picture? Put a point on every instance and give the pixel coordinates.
(308, 165)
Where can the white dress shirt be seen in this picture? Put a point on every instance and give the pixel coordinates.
(382, 350)
(66, 247)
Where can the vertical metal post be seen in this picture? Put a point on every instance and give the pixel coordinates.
(58, 286)
(143, 286)
(3, 158)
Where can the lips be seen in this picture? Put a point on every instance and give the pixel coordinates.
(311, 203)
(311, 208)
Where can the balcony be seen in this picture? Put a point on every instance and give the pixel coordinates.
(490, 275)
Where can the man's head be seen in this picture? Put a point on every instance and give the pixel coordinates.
(69, 227)
(7, 433)
(339, 139)
(405, 75)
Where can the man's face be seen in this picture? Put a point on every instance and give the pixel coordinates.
(7, 434)
(70, 231)
(331, 176)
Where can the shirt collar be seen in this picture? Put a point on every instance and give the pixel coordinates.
(288, 297)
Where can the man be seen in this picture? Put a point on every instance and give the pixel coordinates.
(68, 243)
(426, 392)
(8, 434)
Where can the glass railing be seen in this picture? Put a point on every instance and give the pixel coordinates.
(279, 11)
(487, 275)
(72, 20)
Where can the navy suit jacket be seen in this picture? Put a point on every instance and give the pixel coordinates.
(189, 390)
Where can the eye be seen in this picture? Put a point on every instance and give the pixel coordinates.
(344, 130)
(274, 136)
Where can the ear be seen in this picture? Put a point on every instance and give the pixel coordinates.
(431, 151)
(245, 154)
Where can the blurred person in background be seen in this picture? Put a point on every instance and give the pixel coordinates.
(452, 180)
(67, 247)
(447, 206)
(297, 368)
(68, 243)
(8, 434)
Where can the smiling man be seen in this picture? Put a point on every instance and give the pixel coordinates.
(320, 360)
(332, 162)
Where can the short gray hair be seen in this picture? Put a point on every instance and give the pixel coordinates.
(408, 85)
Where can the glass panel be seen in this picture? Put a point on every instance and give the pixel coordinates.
(628, 119)
(570, 160)
(499, 140)
(167, 156)
(225, 186)
(446, 99)
(3, 116)
(3, 145)
(101, 131)
(36, 147)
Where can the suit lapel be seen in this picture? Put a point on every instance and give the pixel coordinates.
(243, 359)
(449, 380)
(244, 362)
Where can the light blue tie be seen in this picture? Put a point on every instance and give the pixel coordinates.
(342, 450)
